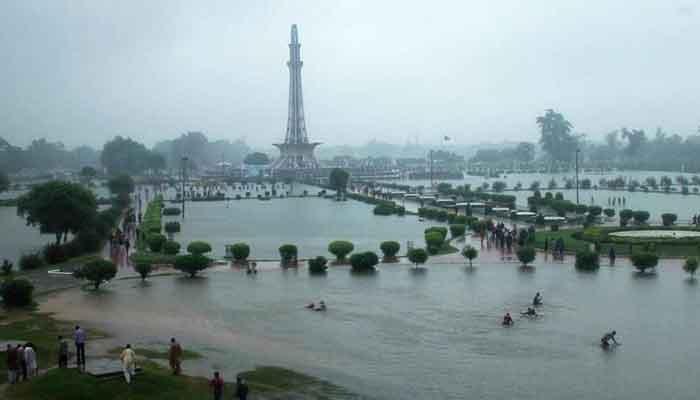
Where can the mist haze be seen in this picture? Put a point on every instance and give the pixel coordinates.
(83, 72)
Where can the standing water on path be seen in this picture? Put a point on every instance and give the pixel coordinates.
(437, 334)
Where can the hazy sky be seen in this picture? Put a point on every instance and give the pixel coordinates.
(479, 71)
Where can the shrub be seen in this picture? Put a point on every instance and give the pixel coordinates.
(668, 219)
(640, 217)
(31, 261)
(288, 254)
(340, 249)
(417, 256)
(96, 272)
(595, 210)
(318, 265)
(440, 229)
(434, 241)
(581, 209)
(55, 253)
(17, 292)
(587, 260)
(470, 253)
(172, 227)
(389, 249)
(644, 260)
(156, 241)
(364, 261)
(240, 252)
(609, 212)
(171, 211)
(625, 216)
(144, 270)
(383, 209)
(191, 264)
(198, 247)
(457, 230)
(171, 247)
(526, 255)
(691, 265)
(6, 267)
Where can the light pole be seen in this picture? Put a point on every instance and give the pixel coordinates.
(431, 170)
(184, 178)
(577, 151)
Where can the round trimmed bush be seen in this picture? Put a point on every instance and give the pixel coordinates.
(417, 256)
(191, 264)
(288, 254)
(171, 247)
(340, 249)
(470, 253)
(526, 255)
(239, 252)
(171, 211)
(143, 269)
(318, 265)
(691, 265)
(198, 247)
(156, 241)
(389, 249)
(172, 227)
(644, 260)
(457, 230)
(31, 261)
(16, 292)
(587, 260)
(640, 217)
(365, 261)
(96, 272)
(609, 212)
(434, 240)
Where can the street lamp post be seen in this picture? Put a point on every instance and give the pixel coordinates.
(577, 152)
(184, 178)
(431, 170)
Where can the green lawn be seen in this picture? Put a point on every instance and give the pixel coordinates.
(572, 244)
(155, 354)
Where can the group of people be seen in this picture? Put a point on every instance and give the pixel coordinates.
(557, 248)
(696, 220)
(251, 268)
(320, 307)
(217, 384)
(21, 362)
(499, 236)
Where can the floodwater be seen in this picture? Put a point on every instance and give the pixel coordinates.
(309, 223)
(436, 334)
(18, 238)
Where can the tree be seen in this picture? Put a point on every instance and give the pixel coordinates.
(668, 219)
(644, 260)
(417, 256)
(58, 208)
(318, 265)
(191, 263)
(524, 152)
(4, 182)
(609, 212)
(121, 185)
(526, 255)
(690, 266)
(156, 242)
(338, 180)
(88, 173)
(16, 292)
(288, 255)
(640, 217)
(498, 186)
(556, 138)
(587, 260)
(239, 252)
(198, 248)
(636, 139)
(126, 156)
(171, 247)
(363, 262)
(340, 249)
(470, 253)
(625, 216)
(143, 269)
(389, 249)
(96, 272)
(434, 240)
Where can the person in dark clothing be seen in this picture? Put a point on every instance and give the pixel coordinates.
(127, 244)
(62, 353)
(217, 385)
(22, 363)
(611, 255)
(537, 300)
(12, 364)
(507, 320)
(241, 389)
(79, 339)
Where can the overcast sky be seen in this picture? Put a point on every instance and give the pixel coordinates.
(479, 71)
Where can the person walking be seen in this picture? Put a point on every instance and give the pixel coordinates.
(217, 385)
(128, 359)
(12, 364)
(175, 356)
(241, 389)
(30, 359)
(79, 338)
(22, 363)
(62, 352)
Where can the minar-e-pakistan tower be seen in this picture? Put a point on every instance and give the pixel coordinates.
(296, 153)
